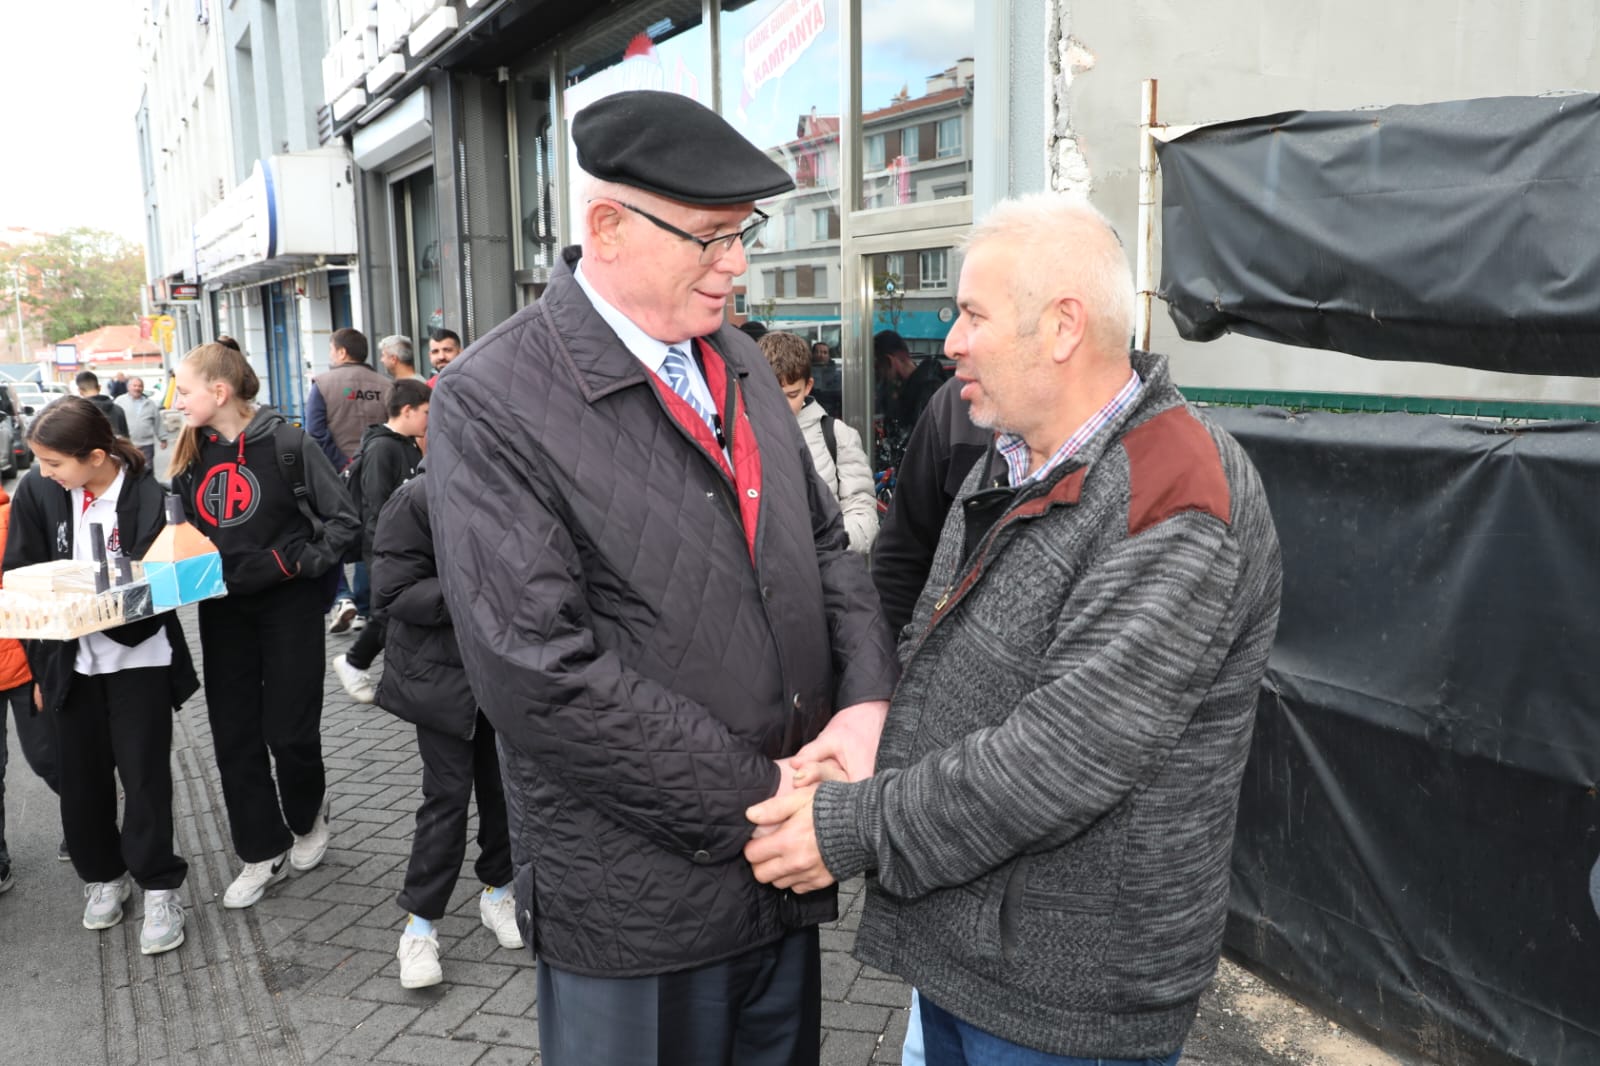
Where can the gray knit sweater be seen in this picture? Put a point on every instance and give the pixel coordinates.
(1057, 783)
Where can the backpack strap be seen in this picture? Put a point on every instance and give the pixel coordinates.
(289, 442)
(829, 438)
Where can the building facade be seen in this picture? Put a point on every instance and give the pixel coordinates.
(899, 121)
(185, 136)
(250, 216)
(457, 114)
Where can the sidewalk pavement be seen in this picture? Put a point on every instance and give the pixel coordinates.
(309, 974)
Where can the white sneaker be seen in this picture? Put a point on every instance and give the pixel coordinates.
(309, 849)
(105, 899)
(500, 918)
(358, 623)
(419, 961)
(356, 681)
(253, 880)
(163, 921)
(340, 617)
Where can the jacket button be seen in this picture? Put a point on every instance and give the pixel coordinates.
(766, 593)
(702, 856)
(797, 701)
(752, 493)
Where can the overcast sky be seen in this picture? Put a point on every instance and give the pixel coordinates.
(71, 77)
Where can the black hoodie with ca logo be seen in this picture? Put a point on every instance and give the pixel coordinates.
(236, 494)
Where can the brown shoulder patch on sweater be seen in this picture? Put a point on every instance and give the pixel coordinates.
(1173, 466)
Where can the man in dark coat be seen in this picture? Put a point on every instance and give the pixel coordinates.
(656, 605)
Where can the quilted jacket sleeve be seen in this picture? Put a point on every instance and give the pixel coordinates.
(405, 582)
(623, 743)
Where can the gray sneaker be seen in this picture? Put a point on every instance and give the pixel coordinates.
(105, 899)
(163, 921)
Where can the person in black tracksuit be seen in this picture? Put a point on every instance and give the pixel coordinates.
(388, 458)
(112, 692)
(263, 642)
(425, 683)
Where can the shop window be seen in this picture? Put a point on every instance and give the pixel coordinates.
(661, 45)
(908, 113)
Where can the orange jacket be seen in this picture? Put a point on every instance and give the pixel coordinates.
(13, 661)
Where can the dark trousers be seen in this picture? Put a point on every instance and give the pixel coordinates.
(263, 677)
(368, 643)
(120, 725)
(762, 1008)
(452, 768)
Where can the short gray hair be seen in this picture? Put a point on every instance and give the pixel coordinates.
(1053, 237)
(398, 345)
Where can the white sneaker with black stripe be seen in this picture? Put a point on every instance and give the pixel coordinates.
(253, 880)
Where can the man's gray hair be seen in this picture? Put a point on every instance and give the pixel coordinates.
(1054, 236)
(399, 346)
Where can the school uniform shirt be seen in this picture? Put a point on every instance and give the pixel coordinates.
(98, 653)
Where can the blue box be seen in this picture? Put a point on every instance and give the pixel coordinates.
(173, 584)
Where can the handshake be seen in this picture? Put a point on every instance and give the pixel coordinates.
(783, 850)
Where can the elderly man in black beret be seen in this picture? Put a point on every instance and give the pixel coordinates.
(656, 607)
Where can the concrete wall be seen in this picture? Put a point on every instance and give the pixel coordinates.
(1226, 59)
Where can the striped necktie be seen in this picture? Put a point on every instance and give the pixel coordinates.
(675, 369)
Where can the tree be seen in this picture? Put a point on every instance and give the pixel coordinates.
(76, 281)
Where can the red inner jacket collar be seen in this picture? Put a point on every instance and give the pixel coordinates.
(745, 473)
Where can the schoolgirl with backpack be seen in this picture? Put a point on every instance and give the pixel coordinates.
(112, 693)
(272, 504)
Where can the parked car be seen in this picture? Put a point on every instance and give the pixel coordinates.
(14, 454)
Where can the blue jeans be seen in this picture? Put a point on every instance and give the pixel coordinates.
(949, 1041)
(358, 589)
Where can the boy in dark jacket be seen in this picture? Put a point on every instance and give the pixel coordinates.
(388, 458)
(425, 683)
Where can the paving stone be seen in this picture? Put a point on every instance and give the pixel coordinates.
(454, 1006)
(431, 1051)
(883, 993)
(376, 1032)
(842, 1048)
(516, 996)
(858, 1017)
(500, 1029)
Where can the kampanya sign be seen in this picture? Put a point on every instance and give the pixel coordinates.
(779, 41)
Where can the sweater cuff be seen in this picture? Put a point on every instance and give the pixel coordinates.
(844, 818)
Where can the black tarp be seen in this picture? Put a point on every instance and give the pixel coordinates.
(1464, 233)
(1419, 817)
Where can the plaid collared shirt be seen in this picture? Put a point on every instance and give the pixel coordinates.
(1015, 450)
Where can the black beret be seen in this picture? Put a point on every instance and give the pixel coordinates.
(674, 147)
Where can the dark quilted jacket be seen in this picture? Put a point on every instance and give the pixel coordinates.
(642, 671)
(423, 680)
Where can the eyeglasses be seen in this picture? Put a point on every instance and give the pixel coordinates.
(711, 248)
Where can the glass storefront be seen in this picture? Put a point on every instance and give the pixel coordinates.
(419, 303)
(659, 45)
(860, 258)
(780, 86)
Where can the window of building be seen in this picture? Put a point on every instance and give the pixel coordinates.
(949, 192)
(934, 267)
(909, 140)
(825, 224)
(949, 137)
(872, 158)
(740, 305)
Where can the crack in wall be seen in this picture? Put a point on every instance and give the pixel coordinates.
(1069, 57)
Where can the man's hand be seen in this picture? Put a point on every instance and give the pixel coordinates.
(847, 750)
(783, 853)
(38, 698)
